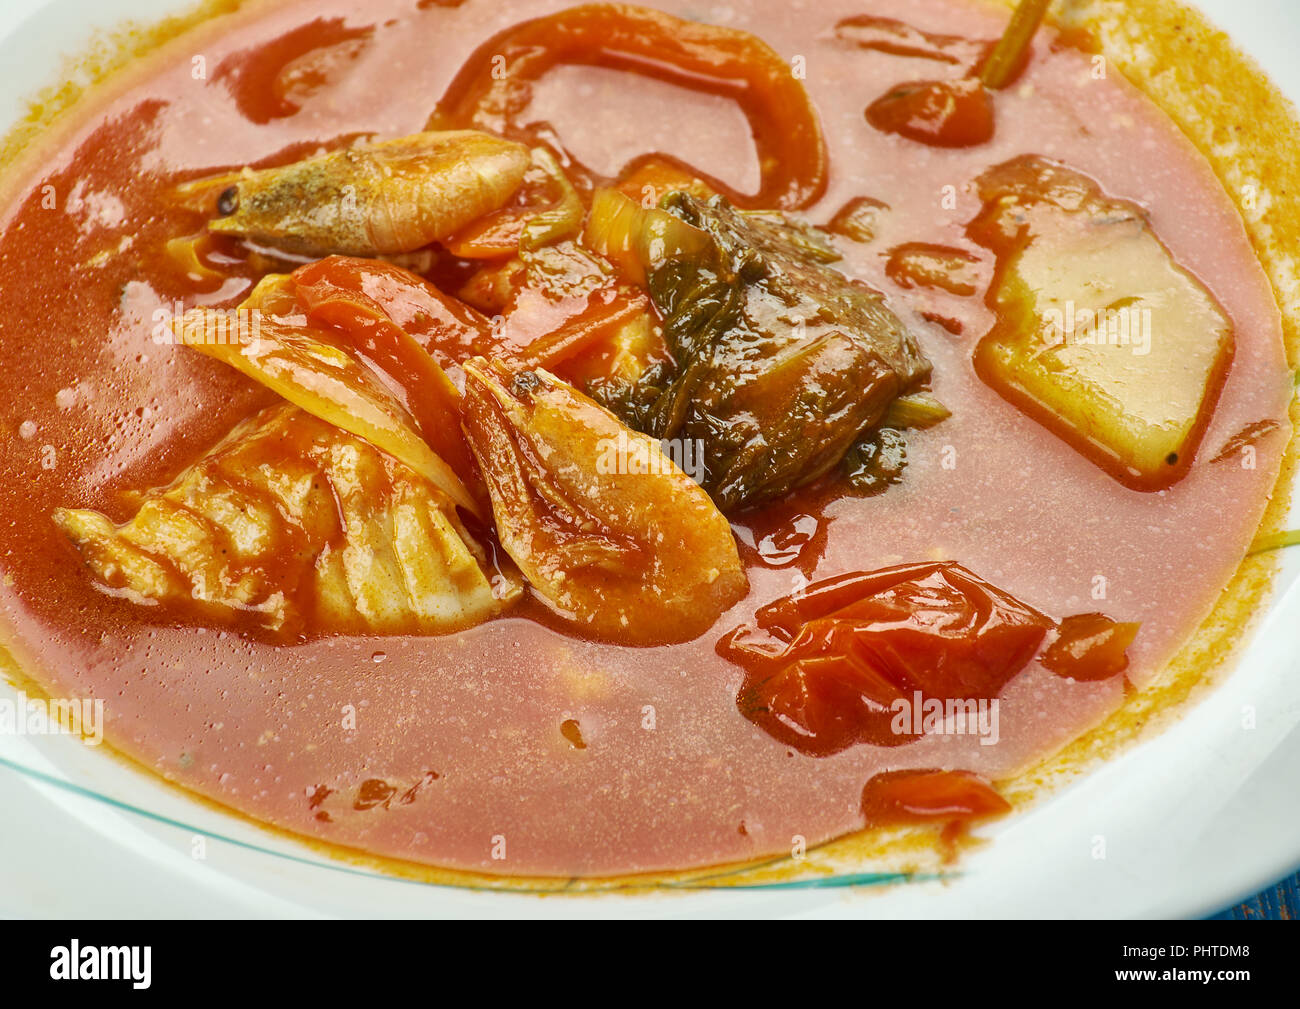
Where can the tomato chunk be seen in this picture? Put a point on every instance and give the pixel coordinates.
(941, 267)
(899, 797)
(823, 703)
(939, 113)
(1090, 646)
(837, 655)
(826, 665)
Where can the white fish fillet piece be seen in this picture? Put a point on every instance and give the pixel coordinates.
(304, 526)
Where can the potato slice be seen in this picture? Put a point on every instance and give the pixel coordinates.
(1100, 335)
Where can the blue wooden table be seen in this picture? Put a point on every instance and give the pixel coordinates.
(1282, 902)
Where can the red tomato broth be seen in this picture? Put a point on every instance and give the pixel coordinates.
(472, 726)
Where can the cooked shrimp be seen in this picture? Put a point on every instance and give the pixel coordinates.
(381, 199)
(610, 533)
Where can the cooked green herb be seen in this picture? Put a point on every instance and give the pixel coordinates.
(781, 361)
(1274, 541)
(918, 409)
(876, 462)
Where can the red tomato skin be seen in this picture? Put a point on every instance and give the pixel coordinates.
(938, 113)
(839, 654)
(1090, 647)
(927, 796)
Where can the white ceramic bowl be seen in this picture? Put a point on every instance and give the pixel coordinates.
(1195, 819)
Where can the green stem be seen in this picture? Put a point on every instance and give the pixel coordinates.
(1274, 541)
(1001, 65)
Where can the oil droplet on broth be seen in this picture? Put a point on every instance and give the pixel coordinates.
(783, 546)
(571, 731)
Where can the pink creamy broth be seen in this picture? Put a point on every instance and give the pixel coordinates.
(431, 749)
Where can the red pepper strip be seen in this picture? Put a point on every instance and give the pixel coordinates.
(900, 39)
(492, 237)
(648, 178)
(542, 331)
(898, 797)
(334, 292)
(496, 235)
(446, 327)
(496, 85)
